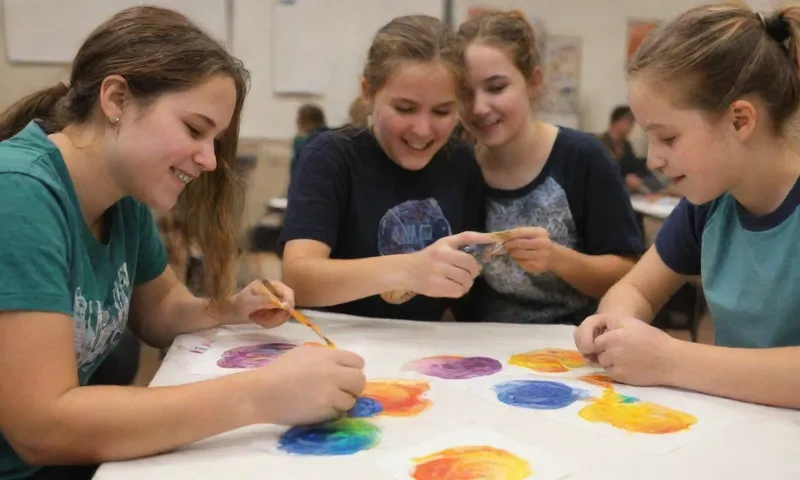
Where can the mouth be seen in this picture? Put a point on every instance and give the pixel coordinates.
(678, 179)
(184, 177)
(486, 124)
(418, 146)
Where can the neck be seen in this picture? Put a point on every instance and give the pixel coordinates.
(770, 176)
(520, 152)
(81, 148)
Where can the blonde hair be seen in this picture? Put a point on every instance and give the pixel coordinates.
(716, 54)
(419, 38)
(508, 31)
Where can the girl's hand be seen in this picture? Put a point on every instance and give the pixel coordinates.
(531, 248)
(256, 303)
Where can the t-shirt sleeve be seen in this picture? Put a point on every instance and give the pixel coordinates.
(318, 194)
(679, 240)
(34, 247)
(610, 225)
(152, 258)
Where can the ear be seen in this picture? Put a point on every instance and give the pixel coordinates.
(366, 96)
(743, 116)
(114, 93)
(535, 82)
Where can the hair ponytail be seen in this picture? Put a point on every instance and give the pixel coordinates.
(42, 104)
(790, 16)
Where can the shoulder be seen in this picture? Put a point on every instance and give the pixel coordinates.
(584, 149)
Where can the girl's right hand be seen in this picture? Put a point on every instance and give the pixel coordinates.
(442, 270)
(308, 384)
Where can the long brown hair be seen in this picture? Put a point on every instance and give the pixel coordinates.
(158, 51)
(416, 38)
(715, 54)
(507, 30)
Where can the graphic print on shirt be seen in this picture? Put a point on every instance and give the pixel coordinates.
(411, 226)
(545, 206)
(97, 326)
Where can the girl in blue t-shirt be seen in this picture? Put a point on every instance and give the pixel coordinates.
(573, 232)
(150, 115)
(376, 215)
(725, 141)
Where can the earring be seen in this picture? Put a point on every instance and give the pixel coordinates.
(114, 121)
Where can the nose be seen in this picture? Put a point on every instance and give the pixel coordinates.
(207, 157)
(422, 127)
(654, 160)
(479, 104)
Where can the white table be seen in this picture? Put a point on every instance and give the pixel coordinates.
(659, 208)
(762, 443)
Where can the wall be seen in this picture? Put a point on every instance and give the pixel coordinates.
(601, 24)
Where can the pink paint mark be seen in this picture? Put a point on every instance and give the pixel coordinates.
(455, 367)
(253, 356)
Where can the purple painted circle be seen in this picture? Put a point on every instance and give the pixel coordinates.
(456, 368)
(253, 356)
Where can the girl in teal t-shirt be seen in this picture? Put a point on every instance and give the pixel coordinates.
(725, 141)
(150, 116)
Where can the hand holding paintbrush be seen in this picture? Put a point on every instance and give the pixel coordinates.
(302, 319)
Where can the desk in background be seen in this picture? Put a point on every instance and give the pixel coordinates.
(659, 208)
(761, 443)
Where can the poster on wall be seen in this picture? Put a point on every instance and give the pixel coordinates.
(638, 30)
(562, 73)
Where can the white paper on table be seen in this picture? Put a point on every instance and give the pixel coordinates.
(710, 415)
(539, 463)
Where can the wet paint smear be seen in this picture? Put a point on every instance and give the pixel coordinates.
(549, 360)
(473, 462)
(599, 380)
(392, 398)
(345, 436)
(455, 367)
(632, 415)
(253, 356)
(538, 394)
(365, 407)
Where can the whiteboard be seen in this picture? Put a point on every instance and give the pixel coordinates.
(31, 41)
(319, 45)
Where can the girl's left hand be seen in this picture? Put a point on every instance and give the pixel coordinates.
(259, 305)
(531, 248)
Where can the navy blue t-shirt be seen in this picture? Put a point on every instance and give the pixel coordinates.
(348, 194)
(580, 199)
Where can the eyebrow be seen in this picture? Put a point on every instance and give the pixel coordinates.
(653, 126)
(449, 103)
(495, 77)
(206, 119)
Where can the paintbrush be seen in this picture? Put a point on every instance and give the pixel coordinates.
(302, 319)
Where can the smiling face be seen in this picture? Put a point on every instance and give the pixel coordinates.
(159, 149)
(414, 112)
(497, 106)
(698, 153)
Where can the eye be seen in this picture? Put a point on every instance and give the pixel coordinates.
(495, 89)
(404, 110)
(668, 141)
(195, 133)
(442, 113)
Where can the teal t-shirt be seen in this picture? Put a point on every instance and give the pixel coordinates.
(50, 261)
(749, 265)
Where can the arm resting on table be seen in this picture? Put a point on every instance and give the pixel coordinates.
(50, 420)
(319, 281)
(644, 290)
(766, 376)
